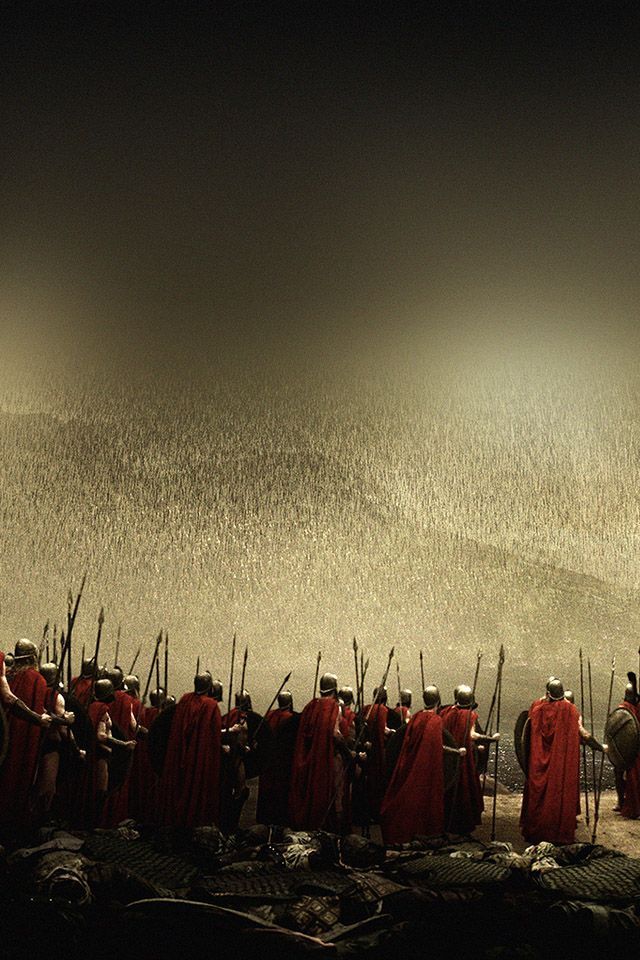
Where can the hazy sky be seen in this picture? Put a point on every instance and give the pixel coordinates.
(174, 185)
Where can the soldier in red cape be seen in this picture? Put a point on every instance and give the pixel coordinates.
(143, 786)
(49, 766)
(318, 781)
(190, 783)
(463, 802)
(82, 686)
(347, 713)
(90, 808)
(275, 776)
(403, 707)
(413, 804)
(19, 769)
(122, 711)
(551, 790)
(375, 717)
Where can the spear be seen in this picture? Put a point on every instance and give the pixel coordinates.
(315, 682)
(97, 651)
(591, 724)
(153, 662)
(584, 746)
(135, 660)
(157, 673)
(233, 657)
(67, 648)
(45, 634)
(422, 670)
(244, 669)
(464, 743)
(355, 657)
(363, 731)
(72, 620)
(198, 667)
(597, 794)
(166, 661)
(495, 768)
(365, 670)
(264, 716)
(362, 671)
(55, 643)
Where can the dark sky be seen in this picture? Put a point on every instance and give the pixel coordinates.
(175, 184)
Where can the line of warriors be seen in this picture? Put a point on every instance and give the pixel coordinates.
(95, 755)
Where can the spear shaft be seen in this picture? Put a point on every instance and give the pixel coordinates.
(355, 657)
(166, 661)
(495, 766)
(422, 670)
(596, 813)
(585, 772)
(264, 716)
(244, 669)
(153, 662)
(97, 652)
(233, 658)
(592, 729)
(315, 682)
(135, 660)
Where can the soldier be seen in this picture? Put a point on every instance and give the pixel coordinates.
(239, 759)
(464, 803)
(125, 719)
(347, 713)
(375, 717)
(318, 781)
(190, 783)
(403, 708)
(552, 788)
(102, 753)
(413, 804)
(51, 742)
(26, 702)
(275, 777)
(82, 686)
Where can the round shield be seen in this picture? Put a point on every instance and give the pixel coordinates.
(4, 735)
(451, 760)
(622, 733)
(521, 738)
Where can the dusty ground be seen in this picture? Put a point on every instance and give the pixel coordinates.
(613, 830)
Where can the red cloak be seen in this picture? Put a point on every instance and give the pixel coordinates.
(117, 806)
(347, 722)
(313, 783)
(463, 803)
(19, 769)
(275, 777)
(190, 784)
(143, 783)
(81, 688)
(552, 787)
(413, 804)
(375, 718)
(631, 806)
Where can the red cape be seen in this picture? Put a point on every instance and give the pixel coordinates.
(552, 787)
(143, 785)
(275, 778)
(313, 775)
(117, 807)
(347, 720)
(190, 784)
(463, 803)
(19, 768)
(81, 688)
(375, 718)
(631, 806)
(414, 802)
